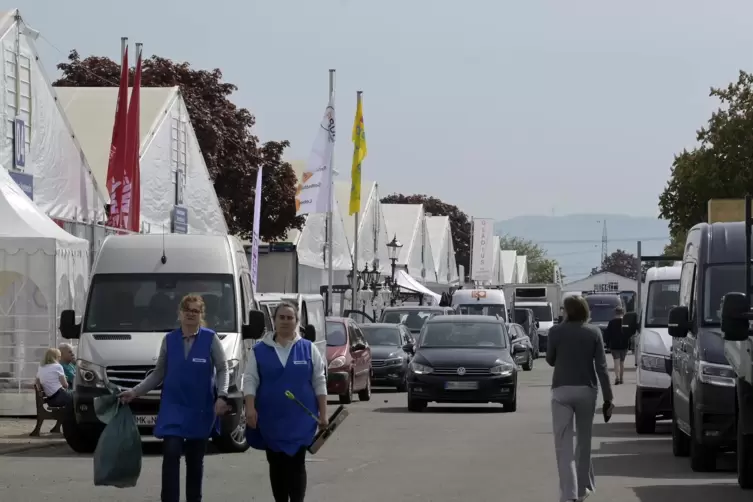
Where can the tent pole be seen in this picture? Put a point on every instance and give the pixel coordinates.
(330, 233)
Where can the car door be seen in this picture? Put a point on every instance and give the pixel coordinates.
(359, 354)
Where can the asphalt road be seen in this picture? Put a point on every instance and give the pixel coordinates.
(444, 454)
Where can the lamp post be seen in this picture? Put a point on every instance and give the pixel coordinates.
(393, 250)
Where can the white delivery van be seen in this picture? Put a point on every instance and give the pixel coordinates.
(136, 286)
(653, 351)
(480, 302)
(311, 312)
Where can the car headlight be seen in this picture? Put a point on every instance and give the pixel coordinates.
(421, 369)
(716, 374)
(89, 375)
(502, 369)
(653, 363)
(393, 361)
(337, 362)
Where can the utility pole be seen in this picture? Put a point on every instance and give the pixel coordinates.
(604, 243)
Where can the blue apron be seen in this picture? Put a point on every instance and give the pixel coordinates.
(188, 391)
(283, 426)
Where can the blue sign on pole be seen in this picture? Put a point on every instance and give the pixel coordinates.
(180, 220)
(25, 182)
(19, 143)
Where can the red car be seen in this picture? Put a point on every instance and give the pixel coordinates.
(348, 360)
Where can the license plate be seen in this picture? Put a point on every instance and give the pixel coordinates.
(461, 385)
(146, 420)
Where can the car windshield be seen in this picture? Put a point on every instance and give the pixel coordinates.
(382, 335)
(336, 336)
(482, 309)
(720, 280)
(542, 313)
(149, 302)
(662, 296)
(463, 335)
(412, 319)
(602, 311)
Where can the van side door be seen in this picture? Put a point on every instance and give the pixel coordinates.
(683, 362)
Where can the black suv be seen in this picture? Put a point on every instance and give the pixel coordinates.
(703, 382)
(527, 320)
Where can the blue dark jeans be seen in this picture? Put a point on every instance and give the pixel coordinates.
(194, 450)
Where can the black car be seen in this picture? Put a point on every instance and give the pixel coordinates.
(526, 318)
(391, 351)
(463, 359)
(412, 316)
(524, 358)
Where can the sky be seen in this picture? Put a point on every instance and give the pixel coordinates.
(502, 108)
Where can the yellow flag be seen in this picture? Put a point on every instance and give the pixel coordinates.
(359, 153)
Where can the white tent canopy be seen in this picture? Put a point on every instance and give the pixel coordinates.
(408, 223)
(443, 251)
(408, 283)
(43, 271)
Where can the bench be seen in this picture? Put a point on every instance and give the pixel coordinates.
(46, 412)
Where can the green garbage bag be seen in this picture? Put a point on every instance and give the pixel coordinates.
(117, 458)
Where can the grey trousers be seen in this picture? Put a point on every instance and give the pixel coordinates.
(573, 405)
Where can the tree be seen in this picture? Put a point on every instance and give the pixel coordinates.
(232, 153)
(719, 167)
(540, 268)
(621, 263)
(460, 224)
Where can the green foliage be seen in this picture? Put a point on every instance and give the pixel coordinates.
(540, 267)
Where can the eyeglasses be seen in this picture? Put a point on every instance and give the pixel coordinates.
(192, 311)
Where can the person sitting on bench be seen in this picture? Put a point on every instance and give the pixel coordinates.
(51, 377)
(68, 362)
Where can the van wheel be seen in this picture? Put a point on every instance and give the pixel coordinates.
(680, 442)
(702, 457)
(744, 459)
(347, 398)
(234, 440)
(81, 439)
(644, 423)
(365, 393)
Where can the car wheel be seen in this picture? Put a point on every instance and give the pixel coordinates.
(233, 441)
(744, 458)
(347, 398)
(365, 393)
(416, 405)
(644, 423)
(403, 387)
(80, 438)
(528, 366)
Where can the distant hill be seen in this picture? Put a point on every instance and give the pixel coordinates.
(575, 240)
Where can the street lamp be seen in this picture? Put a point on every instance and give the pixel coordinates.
(393, 250)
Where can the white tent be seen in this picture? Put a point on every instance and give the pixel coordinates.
(408, 223)
(169, 152)
(522, 269)
(509, 261)
(43, 271)
(442, 248)
(54, 172)
(409, 284)
(372, 230)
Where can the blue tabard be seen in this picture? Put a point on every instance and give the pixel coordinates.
(282, 424)
(188, 391)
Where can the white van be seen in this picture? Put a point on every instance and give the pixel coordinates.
(136, 286)
(311, 311)
(653, 351)
(480, 302)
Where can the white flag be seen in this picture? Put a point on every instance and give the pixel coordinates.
(313, 194)
(484, 248)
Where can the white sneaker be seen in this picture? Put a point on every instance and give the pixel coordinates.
(585, 496)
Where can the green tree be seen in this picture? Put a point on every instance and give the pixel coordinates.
(540, 267)
(719, 167)
(231, 152)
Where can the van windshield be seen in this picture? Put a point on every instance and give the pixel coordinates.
(149, 302)
(482, 309)
(662, 296)
(720, 280)
(602, 310)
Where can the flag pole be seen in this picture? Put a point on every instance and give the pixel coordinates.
(355, 241)
(330, 233)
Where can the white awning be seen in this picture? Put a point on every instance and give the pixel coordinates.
(407, 282)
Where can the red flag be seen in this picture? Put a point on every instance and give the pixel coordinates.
(132, 185)
(116, 165)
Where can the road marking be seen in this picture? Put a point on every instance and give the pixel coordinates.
(359, 467)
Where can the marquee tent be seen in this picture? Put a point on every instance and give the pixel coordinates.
(408, 223)
(43, 271)
(522, 269)
(443, 251)
(509, 261)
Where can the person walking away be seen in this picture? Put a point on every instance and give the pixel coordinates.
(619, 344)
(576, 351)
(283, 361)
(192, 397)
(51, 378)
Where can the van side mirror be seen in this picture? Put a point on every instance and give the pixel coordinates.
(68, 327)
(630, 324)
(309, 333)
(735, 324)
(255, 327)
(679, 322)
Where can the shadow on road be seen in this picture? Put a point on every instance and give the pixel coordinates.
(151, 448)
(692, 493)
(623, 410)
(442, 409)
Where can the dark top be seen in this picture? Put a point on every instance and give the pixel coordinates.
(614, 338)
(577, 353)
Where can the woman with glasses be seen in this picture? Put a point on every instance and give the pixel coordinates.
(192, 398)
(283, 361)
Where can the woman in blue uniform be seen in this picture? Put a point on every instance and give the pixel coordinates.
(283, 361)
(192, 397)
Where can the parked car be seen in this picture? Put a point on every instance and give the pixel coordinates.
(413, 316)
(391, 352)
(526, 318)
(523, 350)
(463, 359)
(348, 360)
